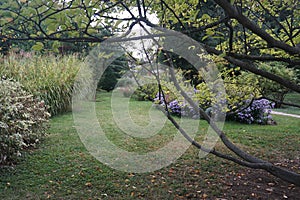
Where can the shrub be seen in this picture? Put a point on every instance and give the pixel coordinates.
(176, 107)
(48, 77)
(239, 89)
(258, 112)
(145, 92)
(271, 89)
(23, 120)
(182, 109)
(4, 44)
(126, 86)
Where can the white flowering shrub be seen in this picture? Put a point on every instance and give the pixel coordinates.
(23, 120)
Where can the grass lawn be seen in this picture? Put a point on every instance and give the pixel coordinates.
(62, 168)
(292, 97)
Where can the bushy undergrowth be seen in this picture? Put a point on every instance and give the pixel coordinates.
(48, 77)
(241, 92)
(259, 112)
(239, 89)
(272, 89)
(145, 92)
(23, 120)
(177, 108)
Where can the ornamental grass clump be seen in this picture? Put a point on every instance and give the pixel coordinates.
(23, 120)
(50, 78)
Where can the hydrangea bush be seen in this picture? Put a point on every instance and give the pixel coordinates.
(177, 108)
(258, 112)
(23, 120)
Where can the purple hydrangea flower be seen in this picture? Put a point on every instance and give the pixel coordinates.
(258, 112)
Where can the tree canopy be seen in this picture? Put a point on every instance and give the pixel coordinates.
(242, 32)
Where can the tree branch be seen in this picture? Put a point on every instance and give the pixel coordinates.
(251, 161)
(228, 25)
(265, 58)
(234, 13)
(283, 103)
(174, 13)
(255, 70)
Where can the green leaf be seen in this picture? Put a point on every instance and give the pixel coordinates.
(118, 23)
(38, 46)
(222, 55)
(55, 46)
(205, 16)
(205, 37)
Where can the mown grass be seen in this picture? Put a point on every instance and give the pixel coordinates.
(292, 97)
(62, 168)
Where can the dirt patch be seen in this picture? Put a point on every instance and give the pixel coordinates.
(258, 184)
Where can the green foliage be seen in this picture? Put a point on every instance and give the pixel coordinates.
(150, 89)
(49, 78)
(126, 86)
(109, 78)
(271, 89)
(52, 20)
(145, 92)
(112, 73)
(239, 89)
(125, 82)
(22, 120)
(4, 45)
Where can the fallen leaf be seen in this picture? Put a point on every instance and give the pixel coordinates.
(269, 189)
(89, 184)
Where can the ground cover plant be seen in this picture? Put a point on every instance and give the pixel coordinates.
(62, 168)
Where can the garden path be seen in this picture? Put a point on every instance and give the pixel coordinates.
(284, 114)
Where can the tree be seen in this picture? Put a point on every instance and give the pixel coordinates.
(111, 75)
(240, 32)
